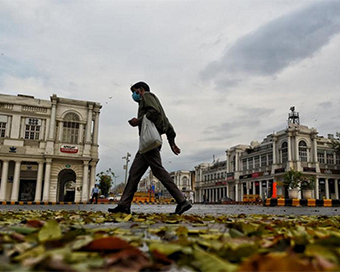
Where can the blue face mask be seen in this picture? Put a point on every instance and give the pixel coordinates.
(136, 97)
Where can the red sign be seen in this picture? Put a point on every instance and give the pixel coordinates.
(69, 149)
(254, 175)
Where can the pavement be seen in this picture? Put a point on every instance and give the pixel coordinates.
(197, 209)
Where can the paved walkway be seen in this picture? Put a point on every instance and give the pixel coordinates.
(199, 209)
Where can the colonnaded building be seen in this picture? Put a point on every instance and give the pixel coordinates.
(48, 149)
(255, 168)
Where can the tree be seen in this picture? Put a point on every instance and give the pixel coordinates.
(292, 179)
(105, 181)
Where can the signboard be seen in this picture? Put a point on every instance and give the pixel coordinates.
(309, 169)
(69, 148)
(279, 170)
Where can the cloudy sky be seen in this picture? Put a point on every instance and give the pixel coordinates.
(226, 72)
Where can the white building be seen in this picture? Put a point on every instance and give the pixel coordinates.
(48, 149)
(254, 169)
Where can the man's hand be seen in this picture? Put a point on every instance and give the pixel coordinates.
(134, 122)
(175, 149)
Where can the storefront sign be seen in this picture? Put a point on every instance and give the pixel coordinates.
(254, 175)
(330, 171)
(67, 166)
(69, 149)
(245, 176)
(309, 169)
(279, 170)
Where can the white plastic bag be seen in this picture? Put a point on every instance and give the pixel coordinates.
(149, 136)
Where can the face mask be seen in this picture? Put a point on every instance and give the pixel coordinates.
(136, 97)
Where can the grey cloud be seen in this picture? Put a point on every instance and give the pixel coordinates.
(276, 45)
(325, 104)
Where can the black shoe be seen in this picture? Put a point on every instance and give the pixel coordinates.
(182, 207)
(120, 209)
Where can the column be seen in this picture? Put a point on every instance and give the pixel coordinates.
(93, 175)
(254, 188)
(60, 132)
(317, 195)
(85, 190)
(236, 161)
(315, 150)
(336, 188)
(52, 122)
(39, 182)
(16, 182)
(4, 180)
(327, 188)
(8, 126)
(42, 129)
(81, 133)
(89, 124)
(260, 189)
(47, 179)
(96, 128)
(274, 150)
(23, 128)
(297, 149)
(289, 147)
(228, 162)
(236, 192)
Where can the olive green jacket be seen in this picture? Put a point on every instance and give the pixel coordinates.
(151, 106)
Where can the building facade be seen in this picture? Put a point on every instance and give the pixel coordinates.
(256, 168)
(48, 149)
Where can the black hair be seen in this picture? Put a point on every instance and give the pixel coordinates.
(140, 85)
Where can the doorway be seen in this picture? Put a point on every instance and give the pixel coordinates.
(66, 185)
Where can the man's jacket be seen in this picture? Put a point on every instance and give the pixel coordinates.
(151, 106)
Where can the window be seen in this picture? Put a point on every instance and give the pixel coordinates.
(250, 163)
(32, 128)
(330, 158)
(284, 150)
(257, 162)
(185, 181)
(244, 164)
(233, 164)
(263, 160)
(2, 129)
(270, 159)
(321, 157)
(303, 151)
(337, 159)
(71, 128)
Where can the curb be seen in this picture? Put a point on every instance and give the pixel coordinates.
(271, 202)
(76, 203)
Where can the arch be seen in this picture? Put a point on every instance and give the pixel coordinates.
(303, 151)
(66, 185)
(68, 113)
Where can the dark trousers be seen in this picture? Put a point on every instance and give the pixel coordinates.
(94, 196)
(139, 166)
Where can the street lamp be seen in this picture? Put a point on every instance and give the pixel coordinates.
(126, 158)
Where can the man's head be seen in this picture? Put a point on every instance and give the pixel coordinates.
(140, 87)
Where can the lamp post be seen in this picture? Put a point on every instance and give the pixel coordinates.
(126, 158)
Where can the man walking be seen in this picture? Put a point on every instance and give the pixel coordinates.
(150, 106)
(95, 192)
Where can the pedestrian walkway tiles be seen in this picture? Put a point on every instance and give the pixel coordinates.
(33, 240)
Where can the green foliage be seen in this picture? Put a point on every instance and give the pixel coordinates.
(292, 179)
(308, 182)
(105, 181)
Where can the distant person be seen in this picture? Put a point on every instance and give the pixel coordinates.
(94, 193)
(149, 105)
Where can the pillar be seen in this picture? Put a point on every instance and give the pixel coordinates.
(93, 175)
(236, 192)
(60, 132)
(96, 128)
(289, 147)
(47, 179)
(39, 182)
(274, 150)
(52, 122)
(8, 126)
(317, 195)
(4, 180)
(16, 182)
(327, 188)
(89, 124)
(85, 190)
(81, 133)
